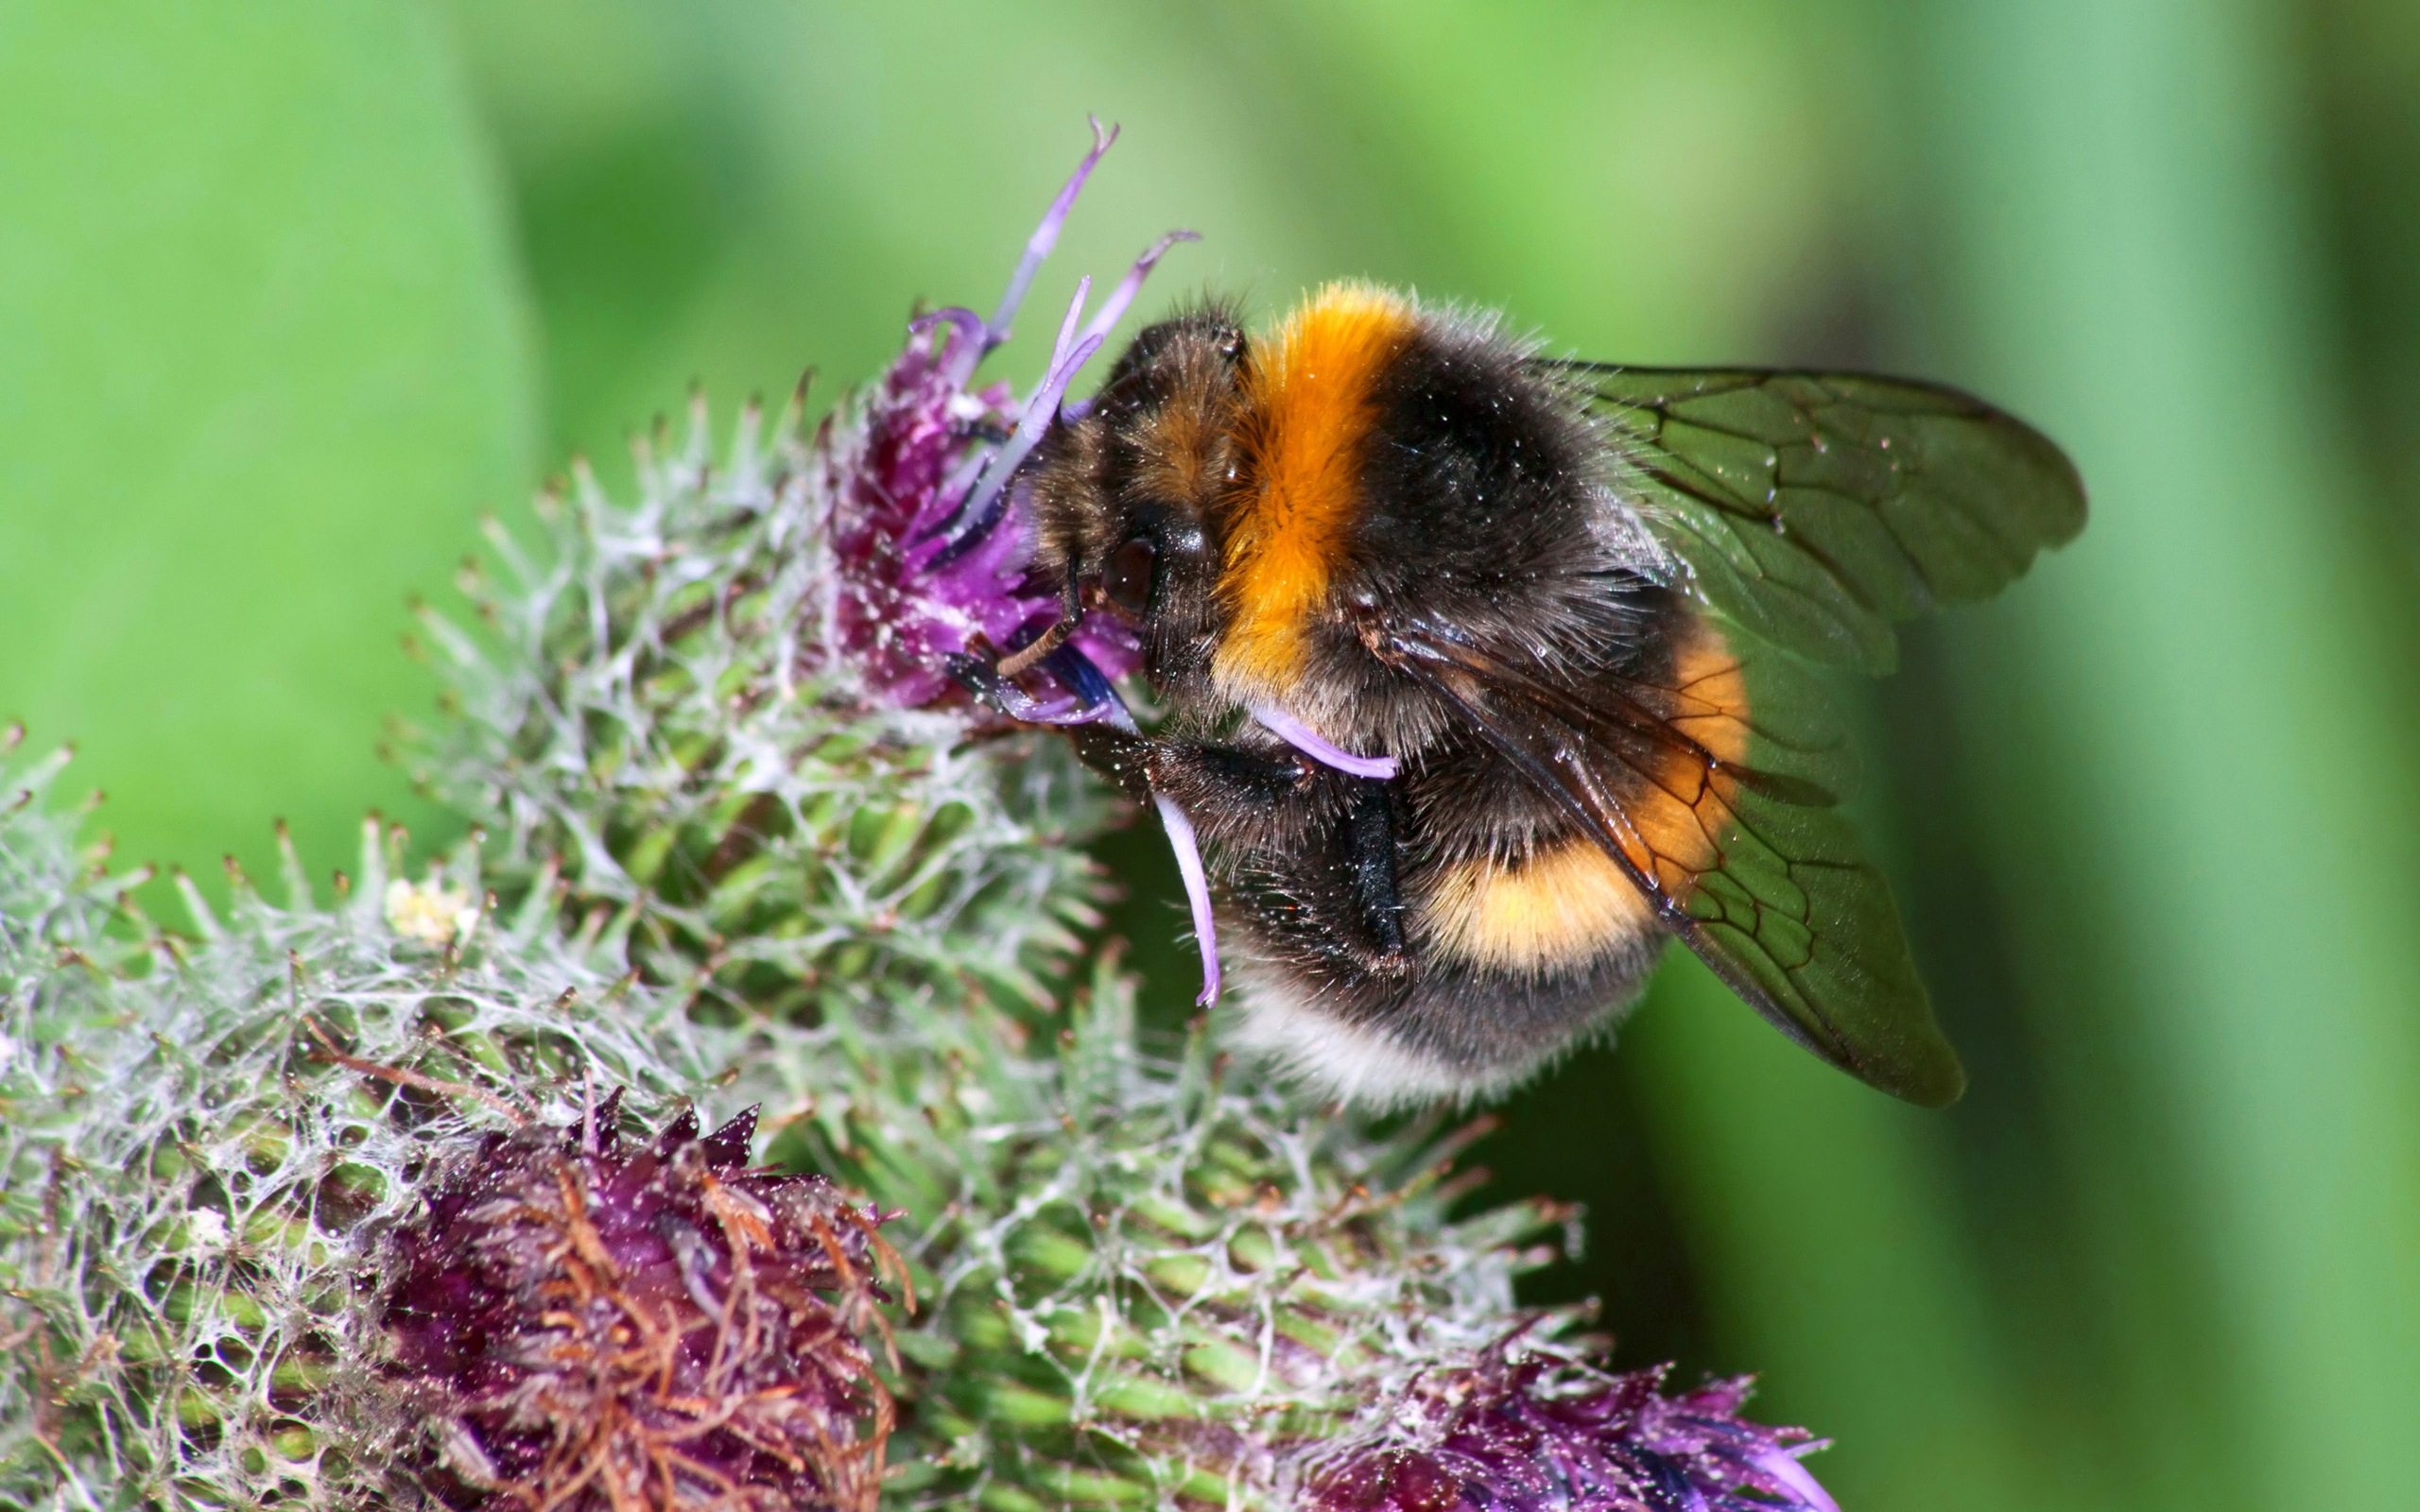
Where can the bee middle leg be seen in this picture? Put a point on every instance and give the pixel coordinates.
(1320, 878)
(1310, 853)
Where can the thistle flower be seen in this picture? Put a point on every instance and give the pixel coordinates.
(667, 736)
(1543, 1433)
(933, 532)
(580, 1323)
(930, 526)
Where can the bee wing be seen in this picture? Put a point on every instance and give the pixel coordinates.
(1817, 508)
(1750, 865)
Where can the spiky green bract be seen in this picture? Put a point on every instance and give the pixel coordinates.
(1153, 1280)
(656, 725)
(201, 1140)
(1146, 1278)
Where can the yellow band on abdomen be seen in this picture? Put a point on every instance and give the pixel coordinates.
(1561, 908)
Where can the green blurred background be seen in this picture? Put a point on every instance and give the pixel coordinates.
(291, 294)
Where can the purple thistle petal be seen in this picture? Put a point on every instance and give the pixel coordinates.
(967, 330)
(930, 525)
(1037, 247)
(1119, 297)
(1196, 892)
(1065, 340)
(1782, 1465)
(1551, 1434)
(1109, 644)
(1064, 709)
(959, 484)
(1068, 355)
(1131, 284)
(1312, 744)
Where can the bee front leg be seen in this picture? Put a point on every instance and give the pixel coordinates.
(1212, 782)
(1071, 613)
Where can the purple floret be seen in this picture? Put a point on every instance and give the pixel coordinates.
(575, 1323)
(1542, 1434)
(932, 524)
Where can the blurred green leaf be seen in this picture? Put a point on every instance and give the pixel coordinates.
(263, 361)
(2196, 747)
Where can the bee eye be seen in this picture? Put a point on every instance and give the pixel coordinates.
(1127, 579)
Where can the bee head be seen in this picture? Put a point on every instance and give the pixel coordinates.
(1126, 495)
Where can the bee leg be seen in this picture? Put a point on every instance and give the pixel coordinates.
(1369, 839)
(1071, 609)
(1206, 779)
(1120, 755)
(1328, 841)
(1181, 780)
(1324, 842)
(983, 679)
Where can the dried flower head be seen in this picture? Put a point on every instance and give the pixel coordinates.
(1546, 1435)
(578, 1322)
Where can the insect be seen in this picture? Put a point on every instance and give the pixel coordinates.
(1486, 672)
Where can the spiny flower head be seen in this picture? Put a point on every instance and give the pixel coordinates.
(1547, 1435)
(579, 1322)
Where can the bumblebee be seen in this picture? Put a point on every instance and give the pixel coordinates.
(1484, 672)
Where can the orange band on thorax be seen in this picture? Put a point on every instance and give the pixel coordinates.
(1311, 408)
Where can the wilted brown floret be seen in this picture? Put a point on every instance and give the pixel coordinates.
(576, 1323)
